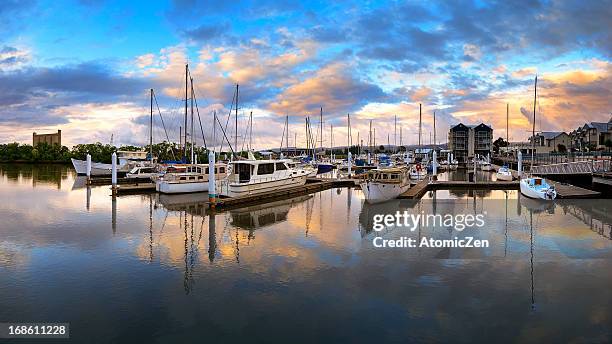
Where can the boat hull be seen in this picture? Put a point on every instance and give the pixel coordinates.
(97, 168)
(507, 177)
(375, 192)
(166, 187)
(542, 194)
(252, 188)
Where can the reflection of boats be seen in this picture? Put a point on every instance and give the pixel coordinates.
(536, 206)
(384, 184)
(257, 176)
(263, 215)
(537, 188)
(193, 179)
(504, 173)
(368, 211)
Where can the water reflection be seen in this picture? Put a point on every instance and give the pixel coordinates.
(312, 253)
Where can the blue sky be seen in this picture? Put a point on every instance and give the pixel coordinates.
(86, 66)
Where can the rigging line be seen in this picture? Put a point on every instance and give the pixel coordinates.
(228, 143)
(199, 119)
(229, 115)
(197, 110)
(163, 124)
(246, 130)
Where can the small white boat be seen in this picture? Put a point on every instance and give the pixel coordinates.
(417, 172)
(97, 168)
(193, 179)
(504, 174)
(143, 172)
(381, 185)
(250, 177)
(537, 188)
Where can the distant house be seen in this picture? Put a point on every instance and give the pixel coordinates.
(50, 139)
(549, 141)
(593, 134)
(466, 141)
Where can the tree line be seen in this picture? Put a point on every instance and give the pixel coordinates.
(43, 152)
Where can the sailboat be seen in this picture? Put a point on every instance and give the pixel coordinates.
(504, 173)
(192, 177)
(535, 187)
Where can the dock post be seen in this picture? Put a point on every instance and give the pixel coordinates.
(350, 164)
(88, 168)
(434, 165)
(474, 168)
(114, 173)
(212, 188)
(520, 165)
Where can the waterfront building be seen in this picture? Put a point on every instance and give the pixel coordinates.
(50, 139)
(466, 141)
(591, 136)
(551, 141)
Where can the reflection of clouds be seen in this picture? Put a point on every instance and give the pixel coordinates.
(11, 257)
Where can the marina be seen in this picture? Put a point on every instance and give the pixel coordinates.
(305, 172)
(171, 258)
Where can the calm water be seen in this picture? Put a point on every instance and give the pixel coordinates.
(148, 268)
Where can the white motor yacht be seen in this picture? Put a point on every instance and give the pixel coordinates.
(250, 177)
(381, 185)
(193, 179)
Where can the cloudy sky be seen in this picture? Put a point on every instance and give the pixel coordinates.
(86, 66)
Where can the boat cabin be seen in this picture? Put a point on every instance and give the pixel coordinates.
(387, 175)
(244, 171)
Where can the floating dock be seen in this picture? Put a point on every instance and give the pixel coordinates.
(416, 191)
(572, 191)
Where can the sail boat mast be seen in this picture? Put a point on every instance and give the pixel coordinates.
(151, 131)
(535, 95)
(507, 134)
(419, 126)
(186, 97)
(192, 137)
(236, 129)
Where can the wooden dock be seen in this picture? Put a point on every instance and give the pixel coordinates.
(572, 191)
(416, 191)
(311, 187)
(460, 184)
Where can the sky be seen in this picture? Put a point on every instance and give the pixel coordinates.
(86, 67)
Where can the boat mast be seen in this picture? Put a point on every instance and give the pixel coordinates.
(419, 126)
(395, 135)
(214, 129)
(507, 137)
(435, 142)
(186, 82)
(331, 144)
(287, 133)
(236, 129)
(192, 138)
(251, 131)
(151, 130)
(321, 135)
(535, 95)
